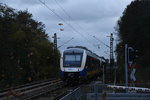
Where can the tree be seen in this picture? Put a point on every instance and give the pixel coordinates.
(26, 54)
(133, 29)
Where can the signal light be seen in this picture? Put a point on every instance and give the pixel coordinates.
(136, 54)
(132, 55)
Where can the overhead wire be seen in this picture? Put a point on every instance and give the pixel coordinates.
(70, 24)
(64, 20)
(65, 12)
(101, 41)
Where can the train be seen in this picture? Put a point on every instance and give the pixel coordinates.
(77, 63)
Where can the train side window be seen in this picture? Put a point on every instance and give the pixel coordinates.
(88, 62)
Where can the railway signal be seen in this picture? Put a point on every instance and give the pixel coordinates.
(132, 55)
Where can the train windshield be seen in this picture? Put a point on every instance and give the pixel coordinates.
(72, 60)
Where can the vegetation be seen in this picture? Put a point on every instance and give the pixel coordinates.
(134, 29)
(26, 54)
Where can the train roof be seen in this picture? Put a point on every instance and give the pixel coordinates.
(79, 47)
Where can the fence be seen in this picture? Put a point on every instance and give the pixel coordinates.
(103, 92)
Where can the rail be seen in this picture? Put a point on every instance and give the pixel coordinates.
(29, 91)
(73, 95)
(28, 84)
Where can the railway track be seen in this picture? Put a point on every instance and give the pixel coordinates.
(32, 90)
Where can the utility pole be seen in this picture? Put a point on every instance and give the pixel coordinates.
(111, 60)
(111, 51)
(55, 48)
(55, 41)
(111, 56)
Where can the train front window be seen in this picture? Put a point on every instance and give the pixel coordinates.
(72, 60)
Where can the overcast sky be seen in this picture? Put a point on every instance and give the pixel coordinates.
(82, 19)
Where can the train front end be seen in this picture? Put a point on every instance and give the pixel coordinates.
(72, 62)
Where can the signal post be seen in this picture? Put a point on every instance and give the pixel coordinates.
(130, 64)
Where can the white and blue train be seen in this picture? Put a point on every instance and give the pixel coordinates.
(78, 63)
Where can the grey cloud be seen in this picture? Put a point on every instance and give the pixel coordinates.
(96, 17)
(90, 11)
